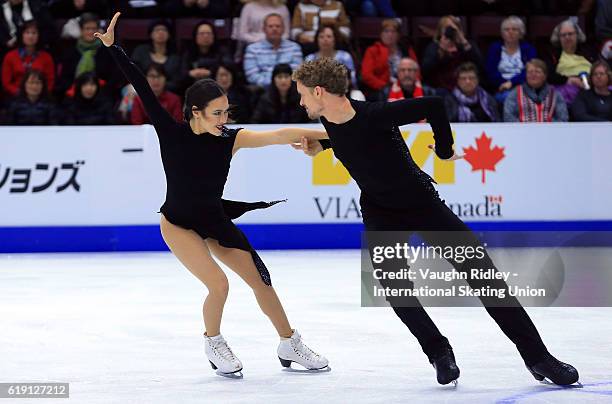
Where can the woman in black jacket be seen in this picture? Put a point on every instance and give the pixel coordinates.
(89, 105)
(595, 104)
(32, 106)
(281, 102)
(203, 55)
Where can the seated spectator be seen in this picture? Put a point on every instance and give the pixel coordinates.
(595, 104)
(89, 105)
(370, 8)
(67, 9)
(570, 59)
(261, 57)
(252, 16)
(507, 58)
(239, 99)
(535, 100)
(28, 55)
(161, 50)
(198, 8)
(15, 12)
(156, 76)
(448, 50)
(469, 102)
(381, 60)
(32, 105)
(309, 14)
(407, 83)
(202, 56)
(83, 57)
(281, 102)
(327, 35)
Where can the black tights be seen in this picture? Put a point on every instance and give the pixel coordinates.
(451, 231)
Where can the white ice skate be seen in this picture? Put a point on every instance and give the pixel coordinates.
(294, 350)
(221, 357)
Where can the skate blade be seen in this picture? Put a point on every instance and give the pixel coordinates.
(234, 375)
(576, 385)
(452, 384)
(307, 371)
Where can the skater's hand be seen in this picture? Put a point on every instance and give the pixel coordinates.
(108, 38)
(309, 147)
(454, 157)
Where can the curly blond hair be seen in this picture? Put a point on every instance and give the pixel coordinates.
(324, 72)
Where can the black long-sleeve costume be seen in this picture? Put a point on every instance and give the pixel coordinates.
(196, 168)
(396, 195)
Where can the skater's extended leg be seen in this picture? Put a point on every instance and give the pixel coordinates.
(291, 347)
(407, 308)
(513, 320)
(242, 263)
(194, 254)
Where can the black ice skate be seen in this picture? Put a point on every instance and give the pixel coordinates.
(446, 368)
(554, 370)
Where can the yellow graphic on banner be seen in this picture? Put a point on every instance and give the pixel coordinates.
(327, 170)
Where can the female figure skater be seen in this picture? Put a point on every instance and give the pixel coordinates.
(195, 221)
(397, 196)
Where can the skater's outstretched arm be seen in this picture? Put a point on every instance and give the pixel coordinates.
(253, 138)
(416, 109)
(157, 114)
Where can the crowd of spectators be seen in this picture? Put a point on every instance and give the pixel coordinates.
(55, 72)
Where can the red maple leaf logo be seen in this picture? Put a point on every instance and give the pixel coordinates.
(483, 157)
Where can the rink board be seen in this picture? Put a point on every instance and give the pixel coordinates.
(100, 188)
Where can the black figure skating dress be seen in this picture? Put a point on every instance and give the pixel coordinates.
(196, 168)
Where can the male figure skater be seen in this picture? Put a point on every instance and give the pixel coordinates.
(397, 196)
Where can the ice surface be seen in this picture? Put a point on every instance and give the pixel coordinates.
(126, 328)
